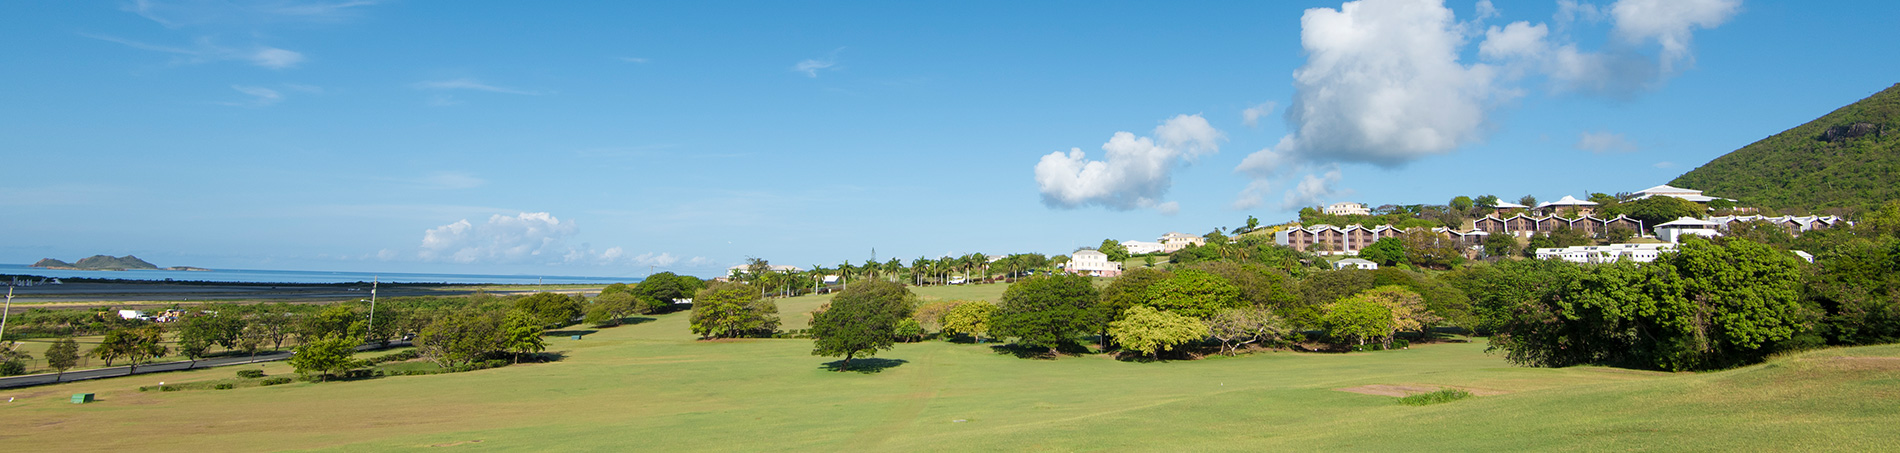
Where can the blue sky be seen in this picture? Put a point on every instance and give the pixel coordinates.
(611, 138)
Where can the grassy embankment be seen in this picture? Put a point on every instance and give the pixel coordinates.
(651, 387)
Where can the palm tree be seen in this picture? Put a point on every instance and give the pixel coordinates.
(978, 260)
(917, 270)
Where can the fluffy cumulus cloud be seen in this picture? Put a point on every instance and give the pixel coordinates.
(1252, 115)
(1625, 65)
(1135, 172)
(1383, 84)
(502, 239)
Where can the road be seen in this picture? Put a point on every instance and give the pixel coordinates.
(97, 373)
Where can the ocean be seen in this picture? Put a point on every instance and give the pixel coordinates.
(268, 276)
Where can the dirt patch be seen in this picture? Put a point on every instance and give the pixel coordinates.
(1403, 390)
(451, 444)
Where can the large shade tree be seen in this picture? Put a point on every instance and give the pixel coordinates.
(861, 320)
(1046, 311)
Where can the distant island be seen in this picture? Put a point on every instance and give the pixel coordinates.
(108, 263)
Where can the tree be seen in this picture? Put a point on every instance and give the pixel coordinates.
(1237, 327)
(276, 324)
(1046, 311)
(332, 321)
(1500, 245)
(1116, 252)
(1193, 293)
(1125, 292)
(1356, 319)
(861, 320)
(908, 330)
(1149, 330)
(1407, 309)
(1618, 235)
(667, 287)
(325, 357)
(970, 319)
(113, 346)
(460, 337)
(13, 359)
(143, 344)
(929, 316)
(521, 333)
(62, 356)
(1461, 204)
(611, 307)
(1654, 211)
(1528, 201)
(728, 310)
(1429, 249)
(1387, 251)
(200, 330)
(550, 309)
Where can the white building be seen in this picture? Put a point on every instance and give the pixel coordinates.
(780, 268)
(1348, 208)
(1356, 263)
(1676, 192)
(1174, 241)
(1641, 253)
(132, 314)
(1093, 263)
(1675, 231)
(1582, 207)
(1142, 247)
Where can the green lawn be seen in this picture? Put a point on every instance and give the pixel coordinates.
(651, 387)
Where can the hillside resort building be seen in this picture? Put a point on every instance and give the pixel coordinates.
(1094, 264)
(1568, 212)
(1348, 208)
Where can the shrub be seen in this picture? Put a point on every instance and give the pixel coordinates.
(1441, 396)
(276, 380)
(250, 374)
(168, 388)
(225, 386)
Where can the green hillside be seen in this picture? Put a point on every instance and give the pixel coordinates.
(1848, 159)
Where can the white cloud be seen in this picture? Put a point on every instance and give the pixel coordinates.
(177, 14)
(1486, 10)
(206, 51)
(1604, 142)
(1252, 115)
(1669, 23)
(1136, 172)
(275, 58)
(260, 96)
(811, 66)
(1517, 40)
(1621, 68)
(501, 239)
(471, 85)
(1313, 189)
(1382, 85)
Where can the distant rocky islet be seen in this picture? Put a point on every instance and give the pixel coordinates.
(108, 263)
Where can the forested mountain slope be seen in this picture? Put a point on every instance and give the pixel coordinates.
(1846, 160)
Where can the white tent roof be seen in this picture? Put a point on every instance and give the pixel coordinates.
(1668, 189)
(1567, 201)
(1501, 204)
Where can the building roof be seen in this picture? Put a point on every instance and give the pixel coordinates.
(1668, 189)
(1501, 204)
(1356, 261)
(1177, 234)
(1566, 201)
(1087, 252)
(1687, 221)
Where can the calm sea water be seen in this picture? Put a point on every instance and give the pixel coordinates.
(264, 276)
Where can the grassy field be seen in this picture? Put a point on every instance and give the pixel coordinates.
(651, 387)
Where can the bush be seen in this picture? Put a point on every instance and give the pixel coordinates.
(276, 380)
(250, 374)
(1441, 396)
(12, 368)
(225, 386)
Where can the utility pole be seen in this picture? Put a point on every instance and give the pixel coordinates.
(3, 312)
(373, 280)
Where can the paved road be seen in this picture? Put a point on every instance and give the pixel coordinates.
(97, 373)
